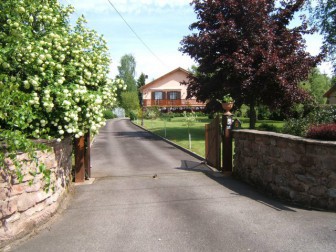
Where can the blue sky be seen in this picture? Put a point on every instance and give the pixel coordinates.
(161, 24)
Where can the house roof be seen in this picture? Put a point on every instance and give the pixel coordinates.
(330, 91)
(163, 76)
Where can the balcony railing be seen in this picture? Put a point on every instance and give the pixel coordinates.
(172, 103)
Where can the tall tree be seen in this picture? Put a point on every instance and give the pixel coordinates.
(324, 16)
(245, 48)
(141, 82)
(316, 85)
(127, 71)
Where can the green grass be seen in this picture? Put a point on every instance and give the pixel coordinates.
(177, 130)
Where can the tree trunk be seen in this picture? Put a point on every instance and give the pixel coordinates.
(253, 115)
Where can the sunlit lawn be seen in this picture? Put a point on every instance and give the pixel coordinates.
(176, 130)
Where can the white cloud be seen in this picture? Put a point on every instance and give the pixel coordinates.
(125, 6)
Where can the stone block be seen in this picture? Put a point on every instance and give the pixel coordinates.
(297, 186)
(17, 189)
(307, 161)
(332, 181)
(3, 194)
(37, 208)
(7, 208)
(332, 192)
(319, 202)
(33, 188)
(26, 200)
(318, 191)
(332, 204)
(307, 179)
(302, 199)
(13, 218)
(329, 163)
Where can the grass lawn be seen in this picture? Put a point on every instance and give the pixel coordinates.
(176, 130)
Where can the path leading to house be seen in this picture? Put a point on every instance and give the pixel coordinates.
(150, 196)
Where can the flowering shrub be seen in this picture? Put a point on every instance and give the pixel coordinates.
(323, 132)
(53, 77)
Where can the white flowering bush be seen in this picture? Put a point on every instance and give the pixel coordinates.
(53, 77)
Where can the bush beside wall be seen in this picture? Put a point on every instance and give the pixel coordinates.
(24, 207)
(295, 169)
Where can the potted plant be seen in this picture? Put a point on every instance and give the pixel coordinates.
(227, 103)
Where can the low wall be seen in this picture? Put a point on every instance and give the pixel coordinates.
(300, 170)
(24, 207)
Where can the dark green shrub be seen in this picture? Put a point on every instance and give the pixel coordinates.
(296, 127)
(108, 114)
(320, 115)
(323, 132)
(268, 127)
(133, 115)
(152, 113)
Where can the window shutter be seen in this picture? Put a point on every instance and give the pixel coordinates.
(153, 95)
(168, 95)
(178, 95)
(163, 95)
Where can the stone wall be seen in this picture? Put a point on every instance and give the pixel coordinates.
(23, 206)
(300, 170)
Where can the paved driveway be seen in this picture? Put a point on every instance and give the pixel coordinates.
(150, 196)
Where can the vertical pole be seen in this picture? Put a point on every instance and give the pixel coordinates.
(88, 154)
(79, 160)
(207, 142)
(227, 143)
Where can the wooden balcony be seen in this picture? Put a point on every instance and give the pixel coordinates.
(173, 103)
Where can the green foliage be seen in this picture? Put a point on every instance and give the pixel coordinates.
(129, 101)
(320, 115)
(133, 115)
(108, 114)
(140, 83)
(53, 77)
(268, 127)
(127, 72)
(317, 85)
(152, 113)
(226, 98)
(324, 18)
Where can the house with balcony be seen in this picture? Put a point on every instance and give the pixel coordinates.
(331, 95)
(167, 93)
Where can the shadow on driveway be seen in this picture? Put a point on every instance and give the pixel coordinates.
(237, 187)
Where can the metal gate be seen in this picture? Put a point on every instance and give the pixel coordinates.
(213, 143)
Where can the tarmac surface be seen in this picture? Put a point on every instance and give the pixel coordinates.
(150, 196)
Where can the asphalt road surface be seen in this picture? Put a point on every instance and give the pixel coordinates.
(150, 196)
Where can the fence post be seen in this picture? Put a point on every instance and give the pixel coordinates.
(88, 154)
(79, 160)
(227, 142)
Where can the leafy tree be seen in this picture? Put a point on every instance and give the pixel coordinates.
(141, 82)
(246, 49)
(324, 16)
(127, 71)
(316, 85)
(130, 102)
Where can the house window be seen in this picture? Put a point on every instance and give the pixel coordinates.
(174, 95)
(158, 96)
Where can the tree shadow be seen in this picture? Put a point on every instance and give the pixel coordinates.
(237, 187)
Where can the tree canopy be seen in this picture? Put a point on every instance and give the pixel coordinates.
(246, 49)
(317, 85)
(127, 71)
(324, 16)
